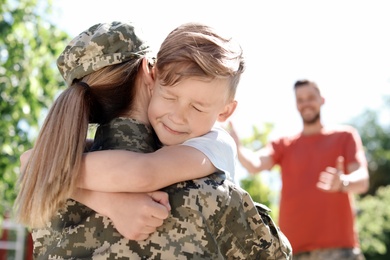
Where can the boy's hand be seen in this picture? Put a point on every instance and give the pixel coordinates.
(137, 215)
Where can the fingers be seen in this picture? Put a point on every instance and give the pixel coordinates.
(159, 212)
(324, 181)
(138, 235)
(153, 223)
(340, 164)
(146, 229)
(141, 229)
(329, 180)
(151, 211)
(161, 197)
(145, 226)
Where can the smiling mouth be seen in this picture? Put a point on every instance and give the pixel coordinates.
(170, 130)
(307, 110)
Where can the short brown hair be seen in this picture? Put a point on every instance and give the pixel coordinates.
(304, 82)
(197, 50)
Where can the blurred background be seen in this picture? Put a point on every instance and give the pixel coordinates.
(341, 45)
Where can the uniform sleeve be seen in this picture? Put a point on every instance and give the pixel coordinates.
(219, 147)
(255, 234)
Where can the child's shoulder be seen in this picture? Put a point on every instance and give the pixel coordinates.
(219, 130)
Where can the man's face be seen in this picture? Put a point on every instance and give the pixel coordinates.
(186, 110)
(309, 102)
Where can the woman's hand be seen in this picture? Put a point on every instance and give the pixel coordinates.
(135, 215)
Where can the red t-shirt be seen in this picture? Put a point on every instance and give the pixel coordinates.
(311, 218)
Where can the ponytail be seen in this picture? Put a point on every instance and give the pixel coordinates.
(50, 176)
(52, 171)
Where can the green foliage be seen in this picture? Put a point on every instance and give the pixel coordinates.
(376, 139)
(258, 190)
(374, 210)
(29, 79)
(254, 185)
(258, 138)
(374, 224)
(261, 193)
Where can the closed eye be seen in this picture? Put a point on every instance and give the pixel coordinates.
(197, 109)
(168, 98)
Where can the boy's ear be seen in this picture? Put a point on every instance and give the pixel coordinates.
(228, 111)
(148, 73)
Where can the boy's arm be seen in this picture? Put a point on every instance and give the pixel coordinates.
(125, 171)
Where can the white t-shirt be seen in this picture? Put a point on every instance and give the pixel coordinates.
(219, 147)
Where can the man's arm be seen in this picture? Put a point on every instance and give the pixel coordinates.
(253, 162)
(357, 181)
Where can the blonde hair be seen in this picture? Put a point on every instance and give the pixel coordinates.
(53, 168)
(197, 50)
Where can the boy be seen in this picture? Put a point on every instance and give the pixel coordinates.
(187, 101)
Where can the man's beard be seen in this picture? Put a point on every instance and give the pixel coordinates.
(312, 120)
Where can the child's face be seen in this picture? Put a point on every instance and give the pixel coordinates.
(188, 109)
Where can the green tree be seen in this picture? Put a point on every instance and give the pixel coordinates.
(254, 185)
(374, 224)
(29, 80)
(260, 192)
(376, 139)
(373, 208)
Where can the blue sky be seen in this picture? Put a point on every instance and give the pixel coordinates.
(342, 45)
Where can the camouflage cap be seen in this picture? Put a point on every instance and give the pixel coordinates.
(101, 45)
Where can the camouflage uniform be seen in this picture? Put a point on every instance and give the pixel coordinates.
(211, 218)
(333, 253)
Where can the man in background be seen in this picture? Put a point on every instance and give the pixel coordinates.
(321, 169)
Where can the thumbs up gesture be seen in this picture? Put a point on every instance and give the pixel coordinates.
(340, 164)
(330, 180)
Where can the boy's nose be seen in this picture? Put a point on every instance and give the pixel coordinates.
(177, 116)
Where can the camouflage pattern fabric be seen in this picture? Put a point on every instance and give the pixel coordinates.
(334, 253)
(99, 46)
(211, 218)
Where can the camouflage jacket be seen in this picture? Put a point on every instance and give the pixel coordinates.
(211, 218)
